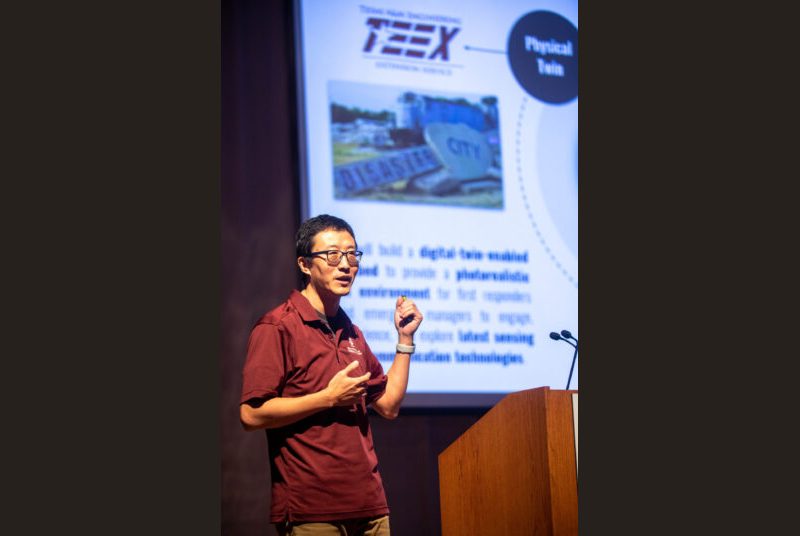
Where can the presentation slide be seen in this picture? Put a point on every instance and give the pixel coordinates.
(446, 134)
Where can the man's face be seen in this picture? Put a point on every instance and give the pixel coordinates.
(326, 279)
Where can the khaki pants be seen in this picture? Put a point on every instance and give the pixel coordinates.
(368, 526)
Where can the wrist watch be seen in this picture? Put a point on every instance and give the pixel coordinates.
(406, 348)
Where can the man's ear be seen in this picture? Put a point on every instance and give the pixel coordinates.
(302, 263)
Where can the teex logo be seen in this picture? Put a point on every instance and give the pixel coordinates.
(402, 38)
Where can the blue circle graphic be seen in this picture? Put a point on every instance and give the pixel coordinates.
(543, 54)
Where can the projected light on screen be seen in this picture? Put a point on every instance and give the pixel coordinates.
(445, 133)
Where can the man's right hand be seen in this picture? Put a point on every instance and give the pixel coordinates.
(345, 390)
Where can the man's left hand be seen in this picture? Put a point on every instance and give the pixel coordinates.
(407, 317)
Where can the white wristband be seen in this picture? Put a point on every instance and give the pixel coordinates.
(405, 348)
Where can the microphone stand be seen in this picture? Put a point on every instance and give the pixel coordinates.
(565, 336)
(574, 357)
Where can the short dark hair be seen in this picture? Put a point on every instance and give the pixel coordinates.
(313, 226)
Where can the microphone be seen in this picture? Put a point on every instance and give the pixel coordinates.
(565, 336)
(556, 337)
(568, 335)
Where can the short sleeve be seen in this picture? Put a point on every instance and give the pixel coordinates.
(264, 370)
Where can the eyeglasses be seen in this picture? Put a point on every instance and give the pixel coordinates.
(333, 256)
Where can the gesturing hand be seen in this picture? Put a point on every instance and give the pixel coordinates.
(407, 317)
(347, 390)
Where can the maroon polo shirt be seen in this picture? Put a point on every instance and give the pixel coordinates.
(323, 467)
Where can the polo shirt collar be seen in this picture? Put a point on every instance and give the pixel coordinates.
(307, 312)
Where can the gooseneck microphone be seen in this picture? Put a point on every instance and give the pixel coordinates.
(565, 336)
(568, 335)
(558, 337)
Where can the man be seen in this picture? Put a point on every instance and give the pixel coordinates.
(308, 379)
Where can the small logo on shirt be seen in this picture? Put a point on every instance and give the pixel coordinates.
(352, 348)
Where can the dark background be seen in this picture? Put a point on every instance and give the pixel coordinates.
(259, 212)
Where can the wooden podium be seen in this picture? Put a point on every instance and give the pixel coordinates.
(515, 470)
